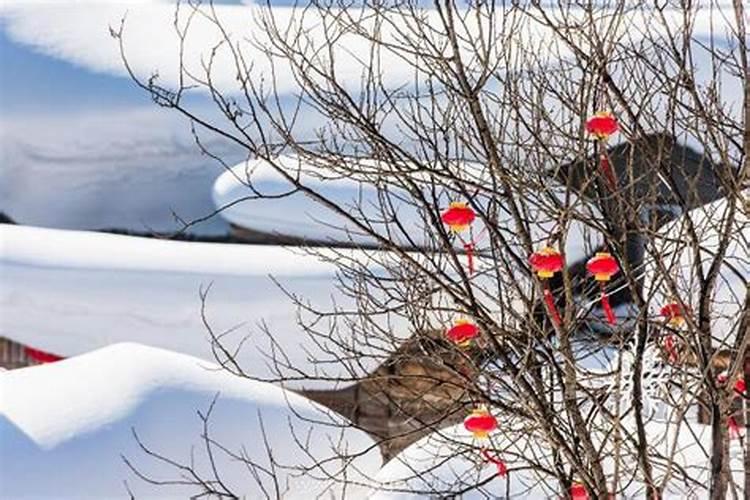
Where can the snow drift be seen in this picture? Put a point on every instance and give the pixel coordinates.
(67, 427)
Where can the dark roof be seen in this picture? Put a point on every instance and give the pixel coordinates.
(656, 163)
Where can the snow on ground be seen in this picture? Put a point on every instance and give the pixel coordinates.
(679, 258)
(69, 292)
(445, 462)
(66, 426)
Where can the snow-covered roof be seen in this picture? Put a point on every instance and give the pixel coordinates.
(66, 426)
(236, 193)
(69, 292)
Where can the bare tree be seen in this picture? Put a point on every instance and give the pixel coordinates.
(486, 103)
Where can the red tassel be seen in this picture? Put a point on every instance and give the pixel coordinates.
(671, 350)
(550, 301)
(502, 470)
(469, 247)
(41, 356)
(734, 429)
(607, 171)
(611, 318)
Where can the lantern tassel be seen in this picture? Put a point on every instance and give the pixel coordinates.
(607, 170)
(502, 470)
(734, 429)
(550, 301)
(469, 247)
(611, 318)
(671, 350)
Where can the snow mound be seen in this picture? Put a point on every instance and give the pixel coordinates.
(445, 462)
(69, 292)
(65, 428)
(678, 256)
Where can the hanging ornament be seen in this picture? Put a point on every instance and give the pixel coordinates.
(675, 317)
(739, 387)
(734, 428)
(546, 262)
(502, 469)
(672, 312)
(480, 423)
(578, 492)
(462, 332)
(458, 217)
(41, 357)
(603, 266)
(602, 125)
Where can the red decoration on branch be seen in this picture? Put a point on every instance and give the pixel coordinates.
(734, 428)
(480, 423)
(603, 266)
(669, 346)
(602, 125)
(458, 217)
(502, 470)
(673, 313)
(41, 356)
(578, 492)
(462, 332)
(739, 387)
(545, 263)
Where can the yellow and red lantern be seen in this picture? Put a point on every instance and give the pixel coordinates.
(480, 423)
(603, 266)
(462, 332)
(545, 263)
(673, 313)
(675, 316)
(458, 217)
(602, 125)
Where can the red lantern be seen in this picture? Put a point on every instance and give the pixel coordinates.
(458, 217)
(578, 492)
(480, 423)
(603, 266)
(546, 262)
(740, 387)
(673, 313)
(602, 125)
(462, 332)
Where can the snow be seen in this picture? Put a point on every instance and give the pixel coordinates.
(448, 461)
(64, 427)
(678, 256)
(236, 194)
(69, 292)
